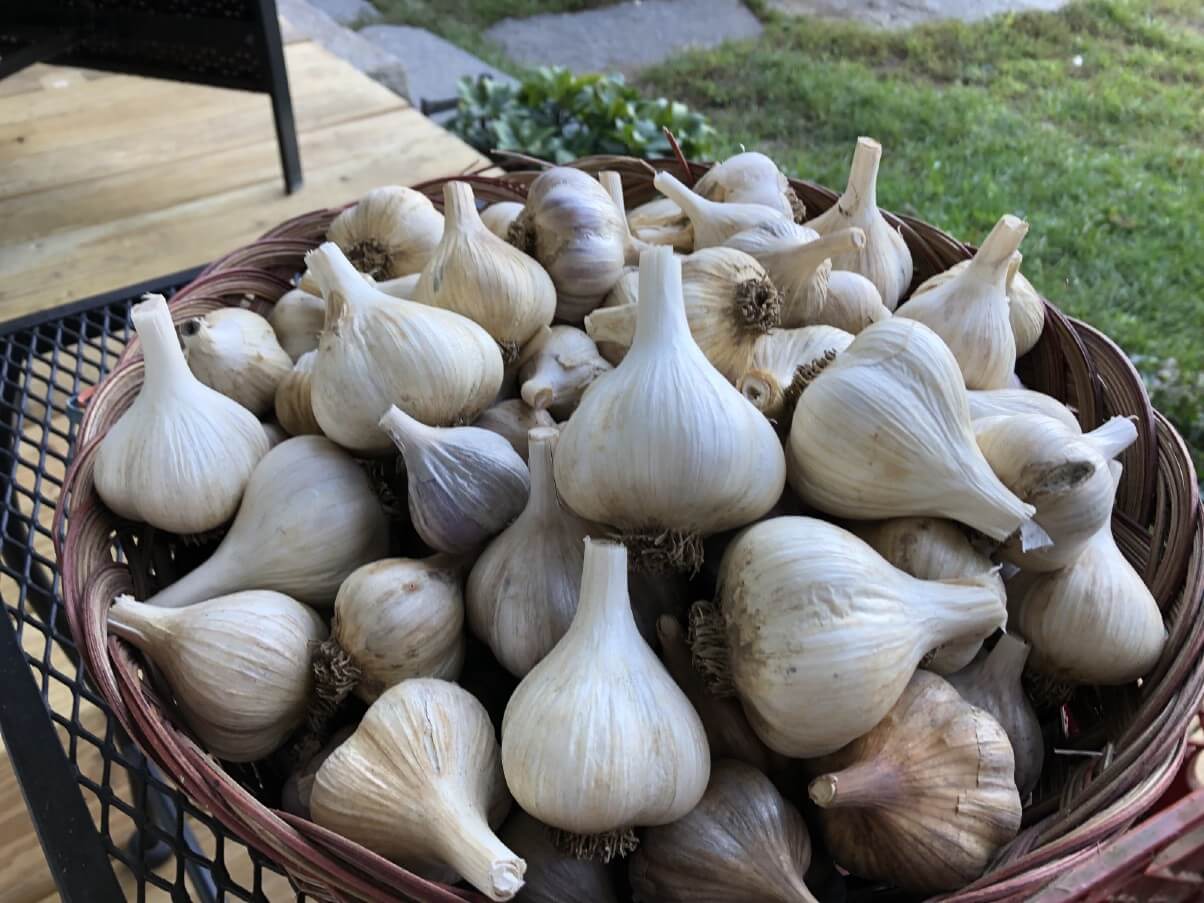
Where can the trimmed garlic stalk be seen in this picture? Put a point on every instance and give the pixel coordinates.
(560, 369)
(885, 260)
(852, 302)
(294, 408)
(378, 351)
(598, 739)
(298, 318)
(552, 876)
(885, 431)
(713, 222)
(709, 460)
(926, 799)
(661, 222)
(750, 178)
(465, 483)
(993, 683)
(513, 419)
(308, 519)
(419, 782)
(498, 216)
(235, 352)
(1001, 402)
(476, 274)
(743, 843)
(774, 381)
(389, 232)
(180, 456)
(970, 311)
(522, 592)
(821, 668)
(238, 665)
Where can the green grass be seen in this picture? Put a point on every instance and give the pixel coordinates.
(1103, 158)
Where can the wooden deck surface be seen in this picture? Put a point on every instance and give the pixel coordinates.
(108, 180)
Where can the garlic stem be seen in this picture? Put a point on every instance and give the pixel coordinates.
(862, 189)
(1005, 663)
(405, 431)
(478, 854)
(1013, 269)
(613, 183)
(612, 324)
(137, 623)
(863, 784)
(161, 351)
(799, 262)
(961, 614)
(543, 501)
(459, 206)
(693, 205)
(336, 278)
(994, 257)
(1113, 437)
(604, 604)
(661, 313)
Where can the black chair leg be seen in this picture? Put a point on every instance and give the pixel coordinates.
(272, 47)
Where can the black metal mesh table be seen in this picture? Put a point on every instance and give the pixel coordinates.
(95, 801)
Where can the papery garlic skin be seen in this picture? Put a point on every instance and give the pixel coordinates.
(822, 635)
(378, 351)
(970, 311)
(885, 431)
(553, 876)
(181, 455)
(238, 665)
(419, 782)
(513, 419)
(498, 216)
(275, 433)
(625, 291)
(294, 409)
(750, 178)
(308, 519)
(852, 302)
(662, 222)
(713, 222)
(559, 371)
(1002, 402)
(776, 359)
(465, 484)
(235, 351)
(478, 275)
(401, 287)
(297, 319)
(885, 260)
(389, 232)
(598, 738)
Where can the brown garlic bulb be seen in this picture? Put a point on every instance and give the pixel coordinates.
(926, 799)
(553, 876)
(743, 843)
(993, 684)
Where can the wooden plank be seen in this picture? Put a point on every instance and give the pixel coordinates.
(41, 77)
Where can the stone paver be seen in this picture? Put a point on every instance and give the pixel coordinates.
(303, 18)
(625, 37)
(904, 13)
(348, 12)
(433, 66)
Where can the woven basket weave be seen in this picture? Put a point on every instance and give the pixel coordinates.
(1133, 737)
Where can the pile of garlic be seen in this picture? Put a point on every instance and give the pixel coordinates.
(471, 578)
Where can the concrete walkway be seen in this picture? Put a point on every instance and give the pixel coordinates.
(905, 13)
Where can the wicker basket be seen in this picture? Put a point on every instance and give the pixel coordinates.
(1134, 736)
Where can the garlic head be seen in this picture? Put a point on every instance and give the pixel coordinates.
(713, 222)
(852, 302)
(661, 222)
(1001, 402)
(498, 216)
(773, 382)
(235, 351)
(513, 419)
(559, 370)
(750, 178)
(294, 409)
(389, 232)
(297, 319)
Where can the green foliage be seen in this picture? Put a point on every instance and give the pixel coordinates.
(556, 115)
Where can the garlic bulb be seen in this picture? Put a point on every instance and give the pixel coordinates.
(476, 274)
(522, 592)
(729, 735)
(235, 352)
(884, 431)
(743, 843)
(401, 287)
(750, 178)
(498, 216)
(308, 519)
(885, 259)
(238, 665)
(1061, 472)
(970, 311)
(465, 483)
(770, 383)
(389, 232)
(1094, 622)
(598, 739)
(513, 419)
(996, 402)
(714, 223)
(625, 291)
(394, 619)
(294, 408)
(661, 222)
(820, 635)
(552, 876)
(297, 319)
(709, 460)
(180, 456)
(275, 434)
(378, 351)
(299, 785)
(852, 302)
(572, 227)
(993, 683)
(560, 369)
(419, 782)
(926, 799)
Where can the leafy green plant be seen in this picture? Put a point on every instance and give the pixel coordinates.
(557, 115)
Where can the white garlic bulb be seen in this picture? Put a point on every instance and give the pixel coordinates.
(275, 434)
(513, 419)
(708, 460)
(465, 484)
(770, 383)
(294, 409)
(997, 402)
(238, 665)
(714, 223)
(820, 635)
(498, 216)
(625, 291)
(559, 370)
(852, 302)
(598, 739)
(661, 222)
(750, 178)
(297, 318)
(885, 260)
(235, 351)
(419, 782)
(970, 311)
(522, 592)
(885, 431)
(389, 232)
(401, 287)
(308, 519)
(180, 456)
(378, 351)
(476, 274)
